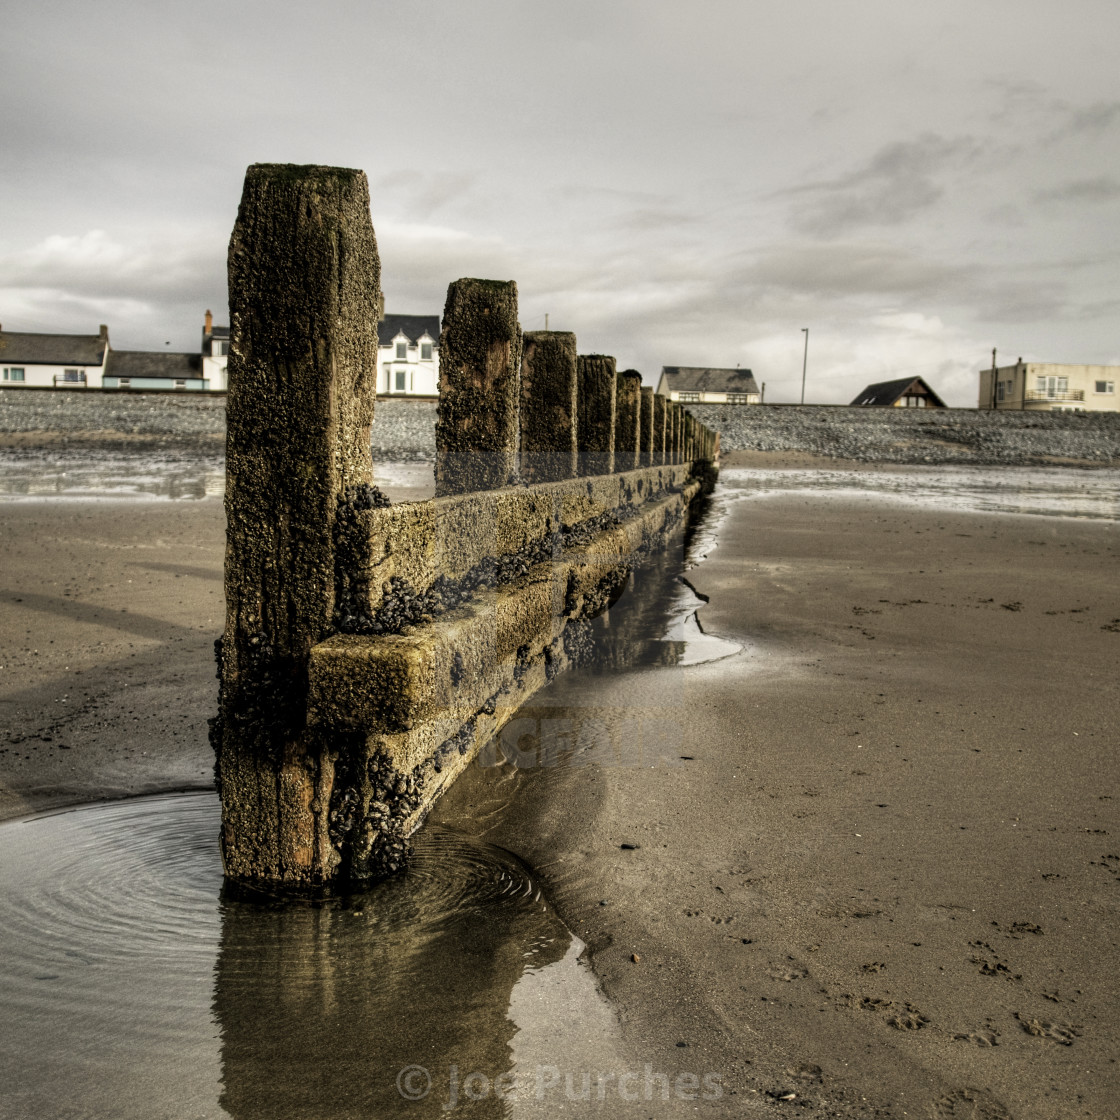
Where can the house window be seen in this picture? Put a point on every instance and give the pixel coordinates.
(219, 349)
(688, 396)
(738, 398)
(125, 383)
(13, 374)
(999, 390)
(73, 375)
(180, 383)
(400, 380)
(1105, 387)
(425, 351)
(402, 351)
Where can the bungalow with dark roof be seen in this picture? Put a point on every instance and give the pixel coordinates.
(64, 361)
(906, 392)
(408, 353)
(154, 369)
(707, 385)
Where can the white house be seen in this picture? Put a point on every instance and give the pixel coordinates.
(1050, 387)
(66, 361)
(408, 355)
(705, 385)
(215, 354)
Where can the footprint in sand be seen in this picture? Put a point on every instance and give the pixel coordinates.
(788, 972)
(983, 1039)
(1062, 1033)
(970, 1104)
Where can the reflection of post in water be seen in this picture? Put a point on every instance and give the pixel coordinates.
(321, 1006)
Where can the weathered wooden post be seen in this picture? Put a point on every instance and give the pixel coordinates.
(303, 289)
(479, 363)
(549, 386)
(646, 426)
(659, 418)
(596, 415)
(627, 434)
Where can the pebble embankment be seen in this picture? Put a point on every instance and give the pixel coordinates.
(897, 435)
(404, 430)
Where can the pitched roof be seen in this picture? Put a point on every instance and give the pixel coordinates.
(17, 348)
(705, 379)
(153, 363)
(887, 392)
(411, 326)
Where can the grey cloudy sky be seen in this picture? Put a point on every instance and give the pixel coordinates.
(676, 183)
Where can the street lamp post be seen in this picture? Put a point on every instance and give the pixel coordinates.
(804, 362)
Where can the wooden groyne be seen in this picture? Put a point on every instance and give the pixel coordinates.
(371, 650)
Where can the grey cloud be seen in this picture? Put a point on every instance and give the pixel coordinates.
(899, 181)
(837, 268)
(420, 194)
(1094, 118)
(1099, 189)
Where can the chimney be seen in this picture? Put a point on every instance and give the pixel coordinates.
(209, 327)
(103, 332)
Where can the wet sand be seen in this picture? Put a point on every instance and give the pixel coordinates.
(884, 878)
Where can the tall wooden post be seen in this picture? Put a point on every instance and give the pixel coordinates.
(303, 290)
(659, 419)
(627, 435)
(479, 364)
(646, 427)
(596, 413)
(549, 384)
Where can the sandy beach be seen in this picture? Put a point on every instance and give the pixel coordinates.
(874, 865)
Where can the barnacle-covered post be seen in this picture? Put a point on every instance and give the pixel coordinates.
(479, 365)
(549, 384)
(627, 432)
(304, 280)
(596, 415)
(659, 417)
(645, 435)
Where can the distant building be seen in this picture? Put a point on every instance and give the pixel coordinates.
(66, 361)
(154, 369)
(906, 392)
(215, 353)
(706, 385)
(408, 355)
(1049, 387)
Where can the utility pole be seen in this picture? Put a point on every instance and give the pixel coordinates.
(804, 363)
(993, 378)
(546, 320)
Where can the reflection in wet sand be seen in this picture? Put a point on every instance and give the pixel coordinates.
(321, 1007)
(134, 988)
(184, 476)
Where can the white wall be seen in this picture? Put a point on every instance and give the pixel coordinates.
(421, 377)
(45, 375)
(214, 371)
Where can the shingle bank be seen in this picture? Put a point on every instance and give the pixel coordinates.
(899, 435)
(404, 429)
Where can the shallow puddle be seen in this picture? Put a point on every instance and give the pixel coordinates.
(135, 987)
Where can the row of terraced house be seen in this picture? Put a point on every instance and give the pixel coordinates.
(408, 360)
